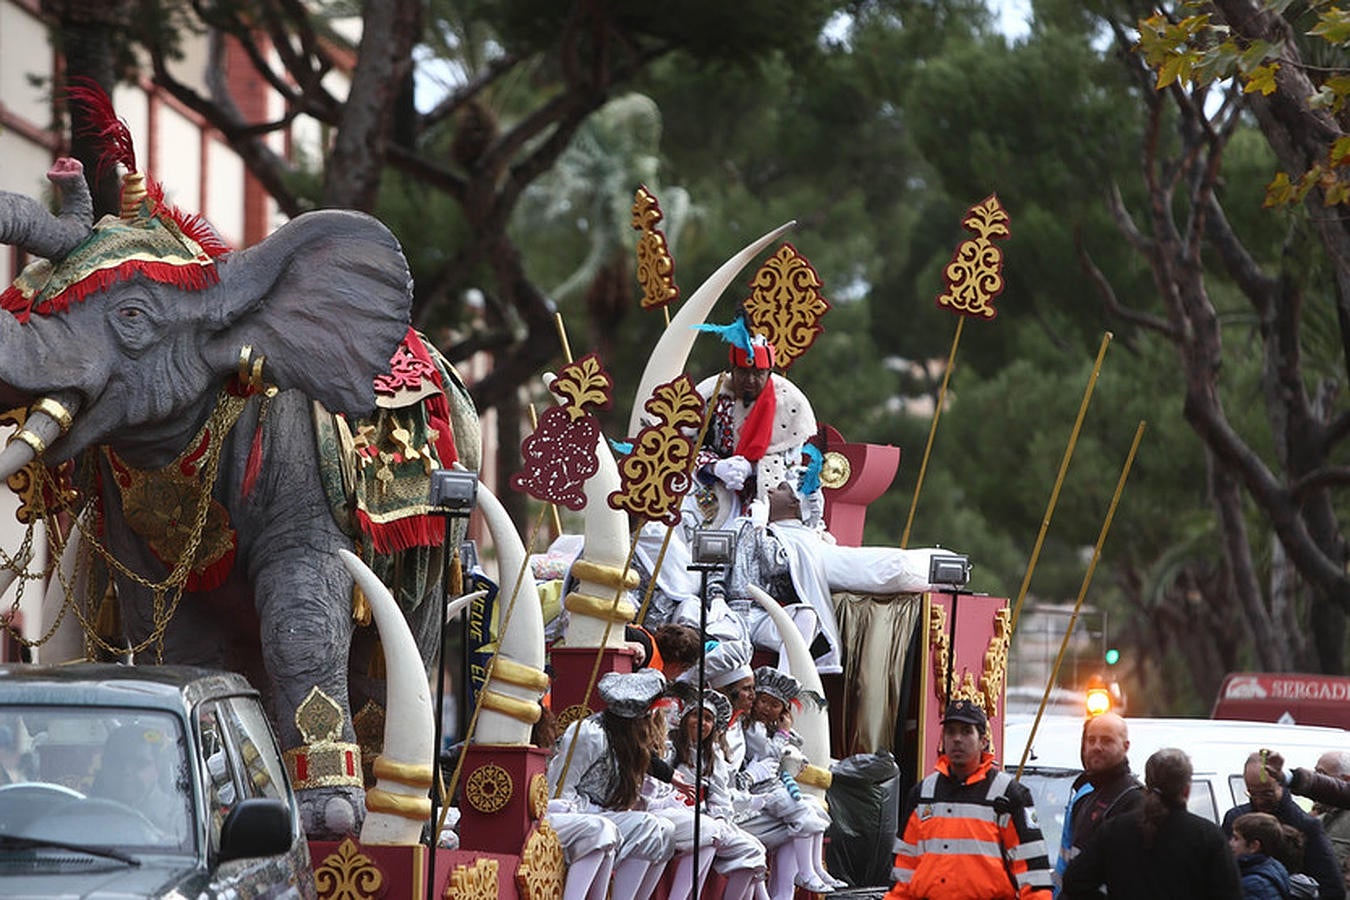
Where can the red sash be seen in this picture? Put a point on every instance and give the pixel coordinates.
(758, 426)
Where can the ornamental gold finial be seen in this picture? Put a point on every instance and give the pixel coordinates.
(655, 265)
(974, 277)
(785, 304)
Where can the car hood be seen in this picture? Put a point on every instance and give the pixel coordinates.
(73, 877)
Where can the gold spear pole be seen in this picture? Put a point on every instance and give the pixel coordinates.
(1082, 592)
(1059, 482)
(932, 429)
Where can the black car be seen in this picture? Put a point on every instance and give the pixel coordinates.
(143, 781)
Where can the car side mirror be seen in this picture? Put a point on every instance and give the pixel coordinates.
(256, 827)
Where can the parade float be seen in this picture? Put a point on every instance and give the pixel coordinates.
(235, 450)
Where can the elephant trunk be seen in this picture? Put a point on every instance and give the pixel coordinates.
(26, 224)
(510, 702)
(48, 419)
(399, 804)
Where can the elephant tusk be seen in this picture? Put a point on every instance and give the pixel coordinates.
(459, 604)
(604, 553)
(521, 642)
(66, 643)
(48, 420)
(672, 349)
(403, 772)
(812, 724)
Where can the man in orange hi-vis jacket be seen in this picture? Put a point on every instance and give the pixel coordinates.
(970, 830)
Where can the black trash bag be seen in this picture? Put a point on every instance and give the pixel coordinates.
(864, 798)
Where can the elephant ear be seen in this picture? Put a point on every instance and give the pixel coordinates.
(326, 299)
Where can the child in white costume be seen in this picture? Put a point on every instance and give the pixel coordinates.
(602, 762)
(779, 826)
(772, 757)
(739, 855)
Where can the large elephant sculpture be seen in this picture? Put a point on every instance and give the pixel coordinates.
(208, 396)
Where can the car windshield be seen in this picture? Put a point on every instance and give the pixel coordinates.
(98, 777)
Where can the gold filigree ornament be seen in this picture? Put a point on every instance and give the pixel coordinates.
(474, 882)
(975, 274)
(348, 874)
(655, 265)
(655, 477)
(835, 470)
(939, 648)
(996, 661)
(785, 304)
(489, 788)
(585, 386)
(538, 796)
(323, 760)
(541, 872)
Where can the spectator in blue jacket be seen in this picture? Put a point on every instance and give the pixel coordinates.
(1258, 843)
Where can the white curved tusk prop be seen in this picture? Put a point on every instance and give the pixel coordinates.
(409, 729)
(672, 350)
(38, 432)
(67, 642)
(812, 724)
(518, 679)
(459, 604)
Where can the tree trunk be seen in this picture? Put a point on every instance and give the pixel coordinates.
(384, 62)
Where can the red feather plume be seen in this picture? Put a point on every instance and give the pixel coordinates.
(103, 125)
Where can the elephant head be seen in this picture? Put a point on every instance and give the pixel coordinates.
(131, 329)
(129, 335)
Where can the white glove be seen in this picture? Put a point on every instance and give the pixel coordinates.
(732, 471)
(793, 761)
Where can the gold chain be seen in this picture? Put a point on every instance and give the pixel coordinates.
(167, 593)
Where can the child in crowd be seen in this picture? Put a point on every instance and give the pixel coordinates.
(740, 857)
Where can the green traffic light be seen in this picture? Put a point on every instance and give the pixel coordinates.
(1112, 656)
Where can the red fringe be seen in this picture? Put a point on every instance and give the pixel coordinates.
(254, 464)
(214, 575)
(189, 277)
(401, 534)
(14, 302)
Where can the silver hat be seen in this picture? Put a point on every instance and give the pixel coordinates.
(776, 684)
(630, 696)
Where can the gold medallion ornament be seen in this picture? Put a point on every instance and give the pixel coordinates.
(975, 275)
(348, 874)
(574, 713)
(474, 882)
(538, 796)
(835, 470)
(489, 788)
(655, 265)
(785, 304)
(541, 872)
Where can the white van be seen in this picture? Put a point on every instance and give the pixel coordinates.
(1218, 751)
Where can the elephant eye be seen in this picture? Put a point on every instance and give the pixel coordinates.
(130, 312)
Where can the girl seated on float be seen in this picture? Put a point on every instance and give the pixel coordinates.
(772, 758)
(740, 856)
(601, 762)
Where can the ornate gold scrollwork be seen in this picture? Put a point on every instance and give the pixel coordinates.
(572, 714)
(475, 882)
(541, 872)
(348, 874)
